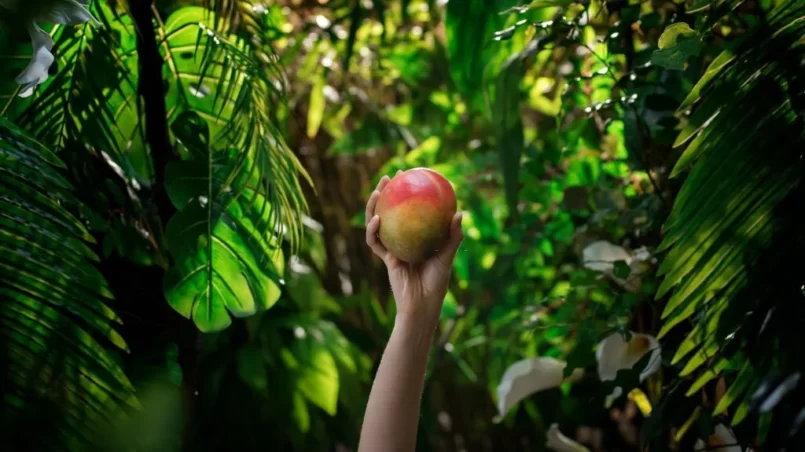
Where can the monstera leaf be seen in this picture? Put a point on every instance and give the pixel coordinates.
(227, 257)
(234, 87)
(58, 336)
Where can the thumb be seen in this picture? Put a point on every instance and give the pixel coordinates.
(448, 252)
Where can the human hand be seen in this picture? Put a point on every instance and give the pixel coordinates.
(419, 289)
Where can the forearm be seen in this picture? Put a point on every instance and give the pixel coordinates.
(392, 414)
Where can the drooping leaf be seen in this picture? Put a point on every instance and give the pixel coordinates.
(315, 111)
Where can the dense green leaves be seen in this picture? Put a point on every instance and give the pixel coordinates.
(234, 87)
(469, 27)
(509, 127)
(58, 334)
(99, 106)
(564, 113)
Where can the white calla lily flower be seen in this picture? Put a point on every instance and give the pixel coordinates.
(722, 440)
(66, 12)
(614, 354)
(37, 70)
(558, 442)
(62, 12)
(528, 376)
(602, 255)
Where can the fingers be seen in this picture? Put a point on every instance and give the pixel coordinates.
(370, 206)
(372, 203)
(373, 240)
(382, 184)
(448, 253)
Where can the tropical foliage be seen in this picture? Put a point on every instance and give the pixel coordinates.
(181, 239)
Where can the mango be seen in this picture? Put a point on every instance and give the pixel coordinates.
(415, 210)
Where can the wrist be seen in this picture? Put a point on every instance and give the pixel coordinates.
(416, 328)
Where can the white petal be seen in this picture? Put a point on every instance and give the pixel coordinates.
(601, 256)
(526, 377)
(27, 92)
(37, 70)
(560, 443)
(614, 354)
(640, 255)
(39, 37)
(67, 12)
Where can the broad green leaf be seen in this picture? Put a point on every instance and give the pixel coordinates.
(318, 380)
(234, 88)
(225, 259)
(252, 367)
(621, 269)
(677, 43)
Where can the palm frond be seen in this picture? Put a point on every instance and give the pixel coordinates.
(732, 220)
(59, 341)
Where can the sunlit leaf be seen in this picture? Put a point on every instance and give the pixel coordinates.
(318, 381)
(217, 77)
(315, 111)
(225, 260)
(677, 43)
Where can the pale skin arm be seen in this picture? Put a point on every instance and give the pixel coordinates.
(392, 414)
